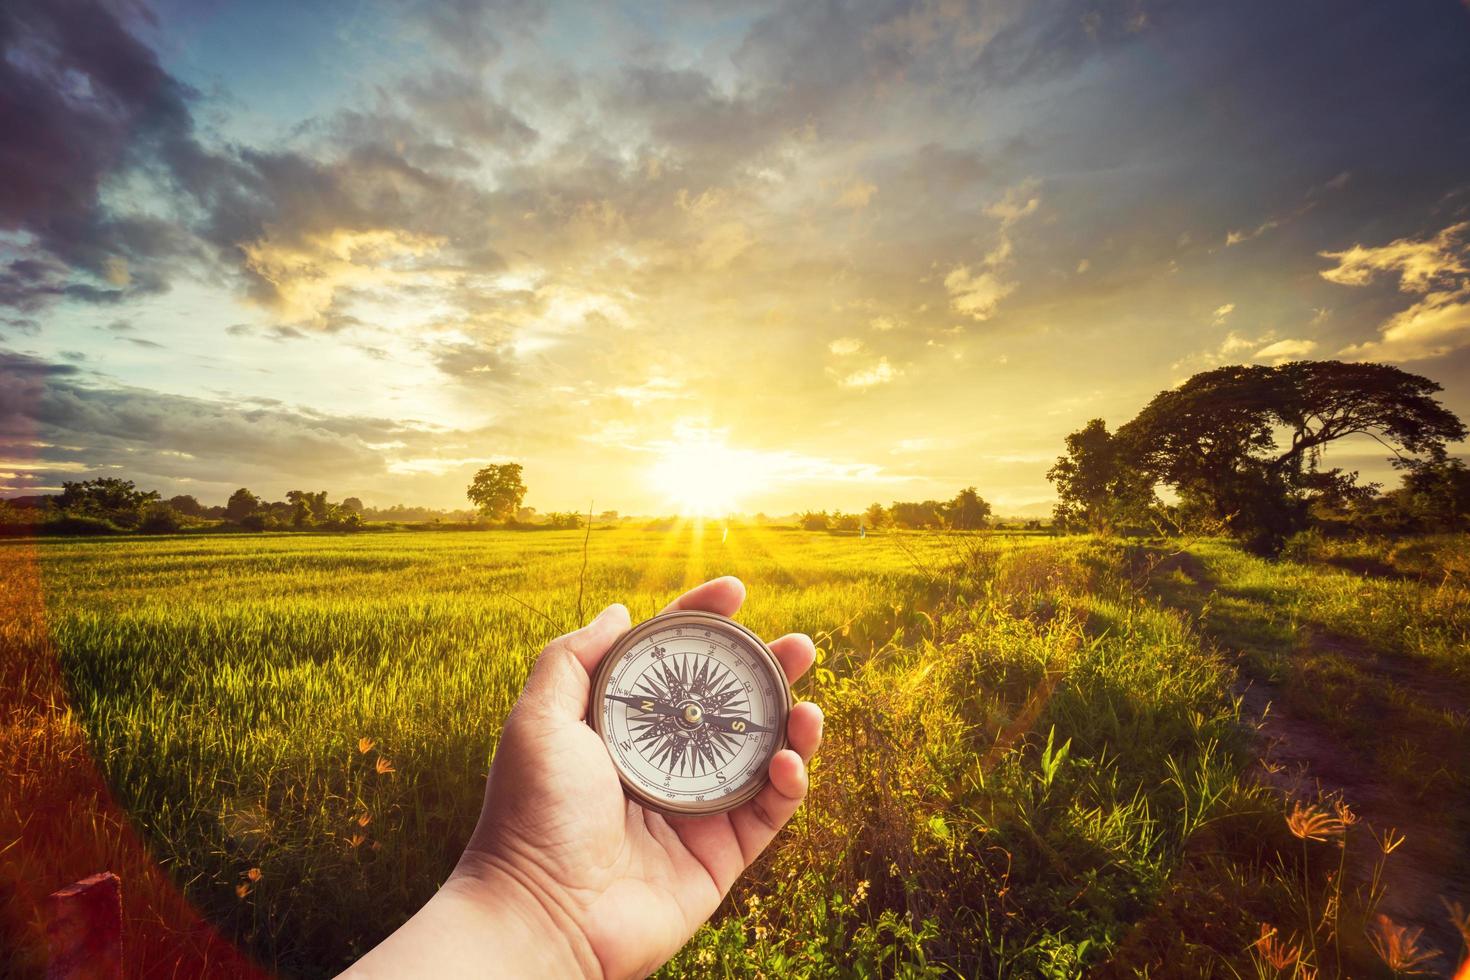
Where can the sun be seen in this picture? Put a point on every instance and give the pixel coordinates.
(701, 475)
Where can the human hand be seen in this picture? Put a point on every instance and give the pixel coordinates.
(591, 881)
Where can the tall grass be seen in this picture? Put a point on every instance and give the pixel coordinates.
(1032, 766)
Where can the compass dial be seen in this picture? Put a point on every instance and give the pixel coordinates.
(692, 707)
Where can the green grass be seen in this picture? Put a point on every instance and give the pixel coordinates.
(1033, 762)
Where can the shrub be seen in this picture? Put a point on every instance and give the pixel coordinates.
(160, 519)
(79, 524)
(260, 522)
(815, 521)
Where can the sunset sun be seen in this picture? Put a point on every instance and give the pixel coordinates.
(701, 475)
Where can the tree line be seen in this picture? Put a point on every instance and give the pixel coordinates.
(110, 504)
(966, 511)
(1240, 450)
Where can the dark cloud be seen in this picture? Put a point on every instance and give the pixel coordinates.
(460, 104)
(1055, 38)
(80, 99)
(49, 415)
(474, 31)
(467, 361)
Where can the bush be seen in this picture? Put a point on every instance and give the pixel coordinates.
(160, 519)
(815, 521)
(343, 520)
(260, 522)
(79, 524)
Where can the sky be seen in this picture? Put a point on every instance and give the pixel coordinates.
(764, 256)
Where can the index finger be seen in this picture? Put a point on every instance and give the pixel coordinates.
(721, 595)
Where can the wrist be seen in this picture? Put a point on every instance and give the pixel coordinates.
(531, 926)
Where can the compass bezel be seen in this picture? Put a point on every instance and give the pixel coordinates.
(700, 620)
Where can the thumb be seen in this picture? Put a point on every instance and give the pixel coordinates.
(560, 680)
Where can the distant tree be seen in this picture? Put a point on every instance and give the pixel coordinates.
(352, 505)
(876, 516)
(846, 522)
(566, 521)
(160, 518)
(1098, 487)
(261, 520)
(1436, 492)
(815, 521)
(608, 517)
(525, 515)
(115, 500)
(968, 511)
(497, 490)
(187, 505)
(242, 504)
(907, 514)
(306, 507)
(1214, 438)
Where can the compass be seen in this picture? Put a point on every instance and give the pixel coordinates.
(692, 707)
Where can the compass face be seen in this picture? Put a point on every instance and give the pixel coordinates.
(692, 707)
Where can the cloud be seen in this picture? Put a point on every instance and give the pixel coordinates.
(469, 360)
(472, 31)
(1435, 325)
(303, 278)
(655, 389)
(1418, 264)
(856, 195)
(1285, 350)
(843, 346)
(1222, 313)
(1433, 269)
(460, 104)
(1236, 237)
(82, 96)
(55, 422)
(1017, 203)
(1236, 346)
(878, 373)
(977, 293)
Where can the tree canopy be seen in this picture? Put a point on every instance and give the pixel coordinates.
(497, 490)
(1244, 443)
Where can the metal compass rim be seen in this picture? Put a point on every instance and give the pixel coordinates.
(704, 620)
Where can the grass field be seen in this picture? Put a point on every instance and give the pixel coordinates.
(1036, 759)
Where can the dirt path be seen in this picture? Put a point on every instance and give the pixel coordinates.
(1304, 759)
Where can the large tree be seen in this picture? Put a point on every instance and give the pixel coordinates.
(242, 504)
(497, 490)
(1246, 442)
(187, 504)
(1098, 487)
(307, 508)
(968, 511)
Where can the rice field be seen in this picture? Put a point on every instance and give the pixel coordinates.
(1035, 761)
